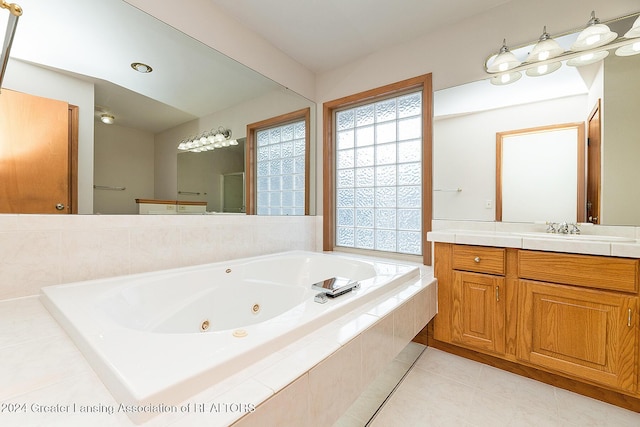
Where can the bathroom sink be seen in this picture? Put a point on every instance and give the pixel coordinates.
(579, 237)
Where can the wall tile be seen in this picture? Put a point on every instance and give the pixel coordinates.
(290, 407)
(335, 384)
(92, 254)
(43, 250)
(404, 322)
(28, 261)
(377, 348)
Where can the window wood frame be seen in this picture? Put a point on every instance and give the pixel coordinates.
(423, 83)
(251, 152)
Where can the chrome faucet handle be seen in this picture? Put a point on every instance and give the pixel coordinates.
(551, 227)
(563, 228)
(574, 228)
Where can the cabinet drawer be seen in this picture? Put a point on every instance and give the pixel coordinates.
(479, 259)
(590, 271)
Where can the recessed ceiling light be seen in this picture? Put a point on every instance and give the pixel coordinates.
(107, 119)
(141, 68)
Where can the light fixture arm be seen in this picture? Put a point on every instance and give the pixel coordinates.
(224, 132)
(593, 20)
(15, 13)
(13, 8)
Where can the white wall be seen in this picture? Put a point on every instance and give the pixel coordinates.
(235, 118)
(621, 142)
(464, 153)
(123, 158)
(202, 173)
(26, 78)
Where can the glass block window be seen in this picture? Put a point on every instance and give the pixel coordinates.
(379, 175)
(280, 169)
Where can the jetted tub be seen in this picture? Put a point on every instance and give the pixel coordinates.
(159, 338)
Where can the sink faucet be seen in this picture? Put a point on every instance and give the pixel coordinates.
(563, 228)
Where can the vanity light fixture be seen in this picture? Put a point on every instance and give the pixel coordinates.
(107, 119)
(504, 61)
(544, 69)
(141, 67)
(588, 58)
(506, 78)
(591, 45)
(208, 141)
(546, 48)
(594, 35)
(634, 48)
(634, 31)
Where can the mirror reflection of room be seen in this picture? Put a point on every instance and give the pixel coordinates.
(135, 104)
(468, 118)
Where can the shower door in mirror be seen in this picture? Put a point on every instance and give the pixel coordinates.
(38, 152)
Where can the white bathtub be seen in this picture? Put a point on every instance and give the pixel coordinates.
(159, 338)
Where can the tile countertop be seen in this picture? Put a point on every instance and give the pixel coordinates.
(580, 244)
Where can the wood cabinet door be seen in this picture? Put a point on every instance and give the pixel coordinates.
(34, 154)
(586, 333)
(478, 311)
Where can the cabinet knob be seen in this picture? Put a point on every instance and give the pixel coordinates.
(477, 259)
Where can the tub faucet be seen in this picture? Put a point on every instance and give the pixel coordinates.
(333, 287)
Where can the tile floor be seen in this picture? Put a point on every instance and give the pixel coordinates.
(446, 390)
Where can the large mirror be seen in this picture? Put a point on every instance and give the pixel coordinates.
(82, 53)
(468, 119)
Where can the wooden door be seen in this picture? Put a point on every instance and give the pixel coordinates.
(593, 166)
(588, 334)
(478, 314)
(35, 156)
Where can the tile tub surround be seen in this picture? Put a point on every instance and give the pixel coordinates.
(507, 235)
(42, 366)
(43, 250)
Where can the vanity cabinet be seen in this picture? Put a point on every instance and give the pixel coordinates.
(578, 315)
(585, 333)
(475, 297)
(573, 316)
(477, 316)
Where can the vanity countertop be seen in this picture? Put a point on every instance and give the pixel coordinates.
(590, 244)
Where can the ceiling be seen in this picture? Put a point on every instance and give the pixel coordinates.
(97, 41)
(326, 34)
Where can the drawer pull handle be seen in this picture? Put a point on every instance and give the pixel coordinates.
(498, 293)
(629, 319)
(477, 259)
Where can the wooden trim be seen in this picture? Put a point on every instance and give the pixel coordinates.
(593, 391)
(170, 202)
(250, 159)
(328, 177)
(423, 82)
(594, 169)
(190, 203)
(580, 127)
(498, 176)
(581, 209)
(427, 167)
(74, 120)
